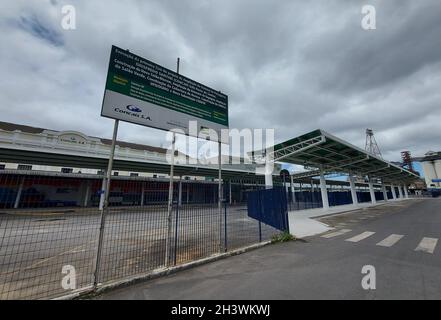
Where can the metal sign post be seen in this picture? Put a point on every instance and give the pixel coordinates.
(170, 196)
(139, 91)
(170, 205)
(106, 203)
(220, 195)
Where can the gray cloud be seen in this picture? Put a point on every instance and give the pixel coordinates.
(290, 65)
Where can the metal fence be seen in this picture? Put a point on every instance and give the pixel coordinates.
(270, 206)
(50, 226)
(301, 200)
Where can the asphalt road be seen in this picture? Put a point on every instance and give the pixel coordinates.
(399, 239)
(35, 246)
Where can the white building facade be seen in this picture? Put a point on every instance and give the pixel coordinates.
(431, 164)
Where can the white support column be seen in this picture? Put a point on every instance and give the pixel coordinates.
(294, 194)
(87, 195)
(383, 187)
(394, 194)
(324, 190)
(19, 192)
(292, 188)
(400, 191)
(142, 194)
(180, 192)
(406, 192)
(102, 193)
(353, 190)
(268, 174)
(188, 192)
(372, 192)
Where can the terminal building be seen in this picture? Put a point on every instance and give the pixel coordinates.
(47, 168)
(41, 168)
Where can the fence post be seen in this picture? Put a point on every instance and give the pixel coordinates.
(259, 199)
(286, 218)
(170, 204)
(219, 200)
(230, 195)
(106, 206)
(225, 227)
(176, 234)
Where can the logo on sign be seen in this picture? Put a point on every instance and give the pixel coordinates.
(133, 111)
(133, 108)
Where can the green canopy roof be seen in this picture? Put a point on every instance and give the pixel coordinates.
(321, 150)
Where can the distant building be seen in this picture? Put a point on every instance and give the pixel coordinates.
(74, 179)
(38, 139)
(21, 137)
(431, 163)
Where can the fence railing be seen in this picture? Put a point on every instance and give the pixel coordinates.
(302, 200)
(270, 206)
(50, 228)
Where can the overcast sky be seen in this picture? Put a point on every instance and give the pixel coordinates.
(290, 65)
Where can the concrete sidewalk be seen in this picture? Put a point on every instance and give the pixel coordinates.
(302, 223)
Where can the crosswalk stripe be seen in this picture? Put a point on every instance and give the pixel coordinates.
(336, 233)
(390, 241)
(360, 237)
(427, 245)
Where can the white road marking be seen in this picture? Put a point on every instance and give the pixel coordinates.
(390, 241)
(427, 245)
(361, 236)
(336, 233)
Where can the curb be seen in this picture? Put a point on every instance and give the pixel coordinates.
(348, 210)
(90, 292)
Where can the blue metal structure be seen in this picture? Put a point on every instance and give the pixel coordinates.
(270, 207)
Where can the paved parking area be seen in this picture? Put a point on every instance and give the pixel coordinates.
(399, 239)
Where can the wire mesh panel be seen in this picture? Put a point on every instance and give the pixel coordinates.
(241, 230)
(197, 232)
(339, 198)
(44, 233)
(50, 229)
(135, 230)
(142, 238)
(306, 200)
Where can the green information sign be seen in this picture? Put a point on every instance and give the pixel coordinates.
(142, 92)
